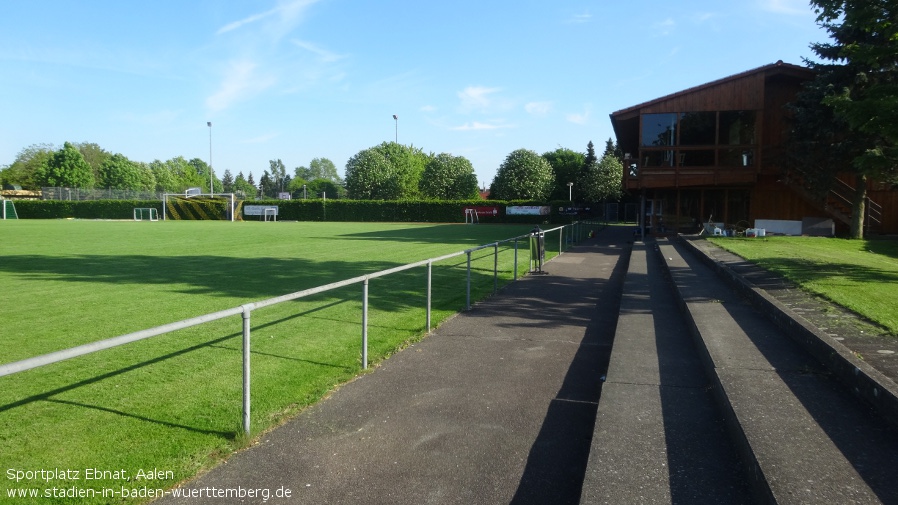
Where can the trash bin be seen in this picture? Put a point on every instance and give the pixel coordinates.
(538, 246)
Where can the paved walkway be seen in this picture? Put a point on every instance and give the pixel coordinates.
(501, 404)
(496, 406)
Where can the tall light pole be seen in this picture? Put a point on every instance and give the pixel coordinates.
(570, 191)
(209, 124)
(396, 118)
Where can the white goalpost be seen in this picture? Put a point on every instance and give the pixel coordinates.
(9, 209)
(146, 214)
(471, 216)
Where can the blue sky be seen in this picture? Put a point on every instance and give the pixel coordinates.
(303, 79)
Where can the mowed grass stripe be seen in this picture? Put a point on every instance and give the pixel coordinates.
(861, 275)
(173, 402)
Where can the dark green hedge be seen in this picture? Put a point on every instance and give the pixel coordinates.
(92, 209)
(418, 211)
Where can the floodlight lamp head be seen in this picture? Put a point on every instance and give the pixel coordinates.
(395, 117)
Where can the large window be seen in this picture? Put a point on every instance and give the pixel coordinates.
(697, 128)
(659, 129)
(737, 127)
(699, 139)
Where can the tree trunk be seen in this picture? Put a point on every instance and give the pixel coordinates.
(859, 203)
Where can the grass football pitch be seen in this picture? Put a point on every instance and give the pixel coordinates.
(147, 415)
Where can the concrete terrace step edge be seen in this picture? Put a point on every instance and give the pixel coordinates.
(867, 383)
(757, 480)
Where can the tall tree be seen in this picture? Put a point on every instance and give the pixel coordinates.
(319, 168)
(524, 175)
(118, 172)
(147, 177)
(29, 167)
(227, 182)
(166, 179)
(388, 171)
(601, 181)
(203, 170)
(246, 187)
(567, 165)
(278, 175)
(858, 86)
(67, 168)
(448, 177)
(369, 176)
(94, 155)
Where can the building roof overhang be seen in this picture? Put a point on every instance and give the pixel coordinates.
(778, 68)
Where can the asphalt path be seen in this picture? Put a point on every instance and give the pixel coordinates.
(497, 405)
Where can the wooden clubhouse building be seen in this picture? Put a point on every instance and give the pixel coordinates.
(713, 153)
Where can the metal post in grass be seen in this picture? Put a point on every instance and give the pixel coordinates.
(246, 390)
(365, 324)
(429, 291)
(515, 258)
(495, 268)
(468, 299)
(560, 239)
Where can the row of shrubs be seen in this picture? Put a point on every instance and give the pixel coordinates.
(306, 210)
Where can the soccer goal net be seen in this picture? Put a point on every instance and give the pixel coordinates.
(217, 207)
(145, 214)
(9, 209)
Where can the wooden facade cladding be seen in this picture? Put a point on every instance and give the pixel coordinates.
(684, 176)
(765, 91)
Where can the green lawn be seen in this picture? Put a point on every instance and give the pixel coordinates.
(861, 275)
(173, 402)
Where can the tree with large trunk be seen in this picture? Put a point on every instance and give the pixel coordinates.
(857, 88)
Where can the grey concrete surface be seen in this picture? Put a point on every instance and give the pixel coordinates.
(803, 436)
(586, 385)
(498, 405)
(659, 437)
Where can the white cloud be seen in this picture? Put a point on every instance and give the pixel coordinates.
(240, 82)
(476, 97)
(324, 54)
(538, 108)
(477, 125)
(580, 118)
(287, 12)
(578, 19)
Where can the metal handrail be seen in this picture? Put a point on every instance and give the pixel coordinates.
(246, 309)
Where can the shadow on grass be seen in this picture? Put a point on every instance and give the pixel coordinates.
(214, 343)
(440, 234)
(245, 279)
(807, 271)
(229, 435)
(402, 290)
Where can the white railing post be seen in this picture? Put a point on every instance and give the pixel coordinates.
(365, 324)
(246, 388)
(515, 259)
(468, 295)
(495, 268)
(429, 291)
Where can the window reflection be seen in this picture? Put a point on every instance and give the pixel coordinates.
(724, 138)
(659, 129)
(737, 127)
(697, 128)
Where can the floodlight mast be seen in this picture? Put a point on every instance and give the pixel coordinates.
(211, 191)
(396, 118)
